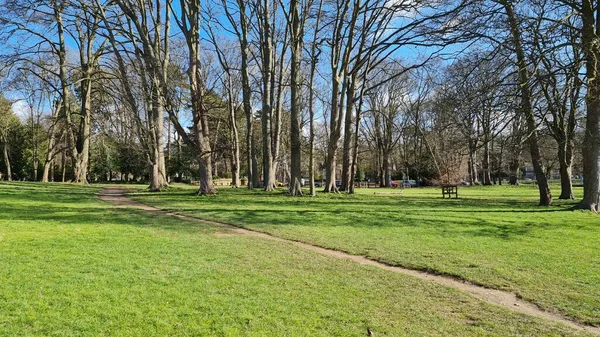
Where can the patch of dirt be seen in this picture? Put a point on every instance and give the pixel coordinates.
(224, 234)
(118, 197)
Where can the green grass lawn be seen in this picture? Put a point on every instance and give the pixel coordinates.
(493, 236)
(72, 265)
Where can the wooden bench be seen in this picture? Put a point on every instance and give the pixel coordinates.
(365, 184)
(449, 190)
(216, 182)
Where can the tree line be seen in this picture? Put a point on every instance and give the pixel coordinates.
(264, 91)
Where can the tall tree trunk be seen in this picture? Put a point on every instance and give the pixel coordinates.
(335, 132)
(314, 54)
(355, 146)
(348, 126)
(591, 153)
(169, 153)
(189, 23)
(36, 163)
(34, 141)
(179, 148)
(158, 174)
(330, 168)
(334, 135)
(82, 155)
(380, 170)
(47, 170)
(49, 162)
(267, 162)
(591, 141)
(252, 172)
(295, 128)
(254, 159)
(267, 99)
(311, 148)
(565, 159)
(340, 56)
(527, 109)
(277, 91)
(63, 77)
(201, 130)
(498, 171)
(380, 149)
(206, 180)
(235, 139)
(387, 177)
(485, 163)
(242, 34)
(63, 166)
(473, 176)
(7, 160)
(155, 180)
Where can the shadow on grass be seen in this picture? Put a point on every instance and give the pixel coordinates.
(59, 188)
(502, 218)
(359, 202)
(447, 228)
(44, 206)
(98, 216)
(69, 204)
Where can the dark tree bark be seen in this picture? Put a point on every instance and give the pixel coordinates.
(189, 24)
(151, 49)
(473, 176)
(296, 33)
(565, 153)
(87, 30)
(526, 106)
(267, 71)
(235, 141)
(314, 55)
(48, 175)
(348, 136)
(591, 141)
(6, 160)
(342, 42)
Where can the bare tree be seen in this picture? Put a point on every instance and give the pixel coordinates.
(560, 86)
(147, 29)
(315, 51)
(590, 41)
(241, 31)
(296, 18)
(526, 102)
(35, 92)
(8, 121)
(84, 23)
(189, 24)
(385, 119)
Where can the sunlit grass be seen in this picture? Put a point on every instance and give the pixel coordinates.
(71, 265)
(495, 236)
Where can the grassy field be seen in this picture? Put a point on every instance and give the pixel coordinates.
(72, 265)
(493, 236)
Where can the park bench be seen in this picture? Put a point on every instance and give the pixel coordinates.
(449, 190)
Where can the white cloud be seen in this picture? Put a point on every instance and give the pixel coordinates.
(21, 109)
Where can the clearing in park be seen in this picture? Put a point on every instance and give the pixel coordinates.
(92, 261)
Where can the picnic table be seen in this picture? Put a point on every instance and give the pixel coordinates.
(449, 190)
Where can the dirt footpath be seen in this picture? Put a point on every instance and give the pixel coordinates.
(118, 197)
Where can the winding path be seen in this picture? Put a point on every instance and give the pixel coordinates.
(118, 197)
